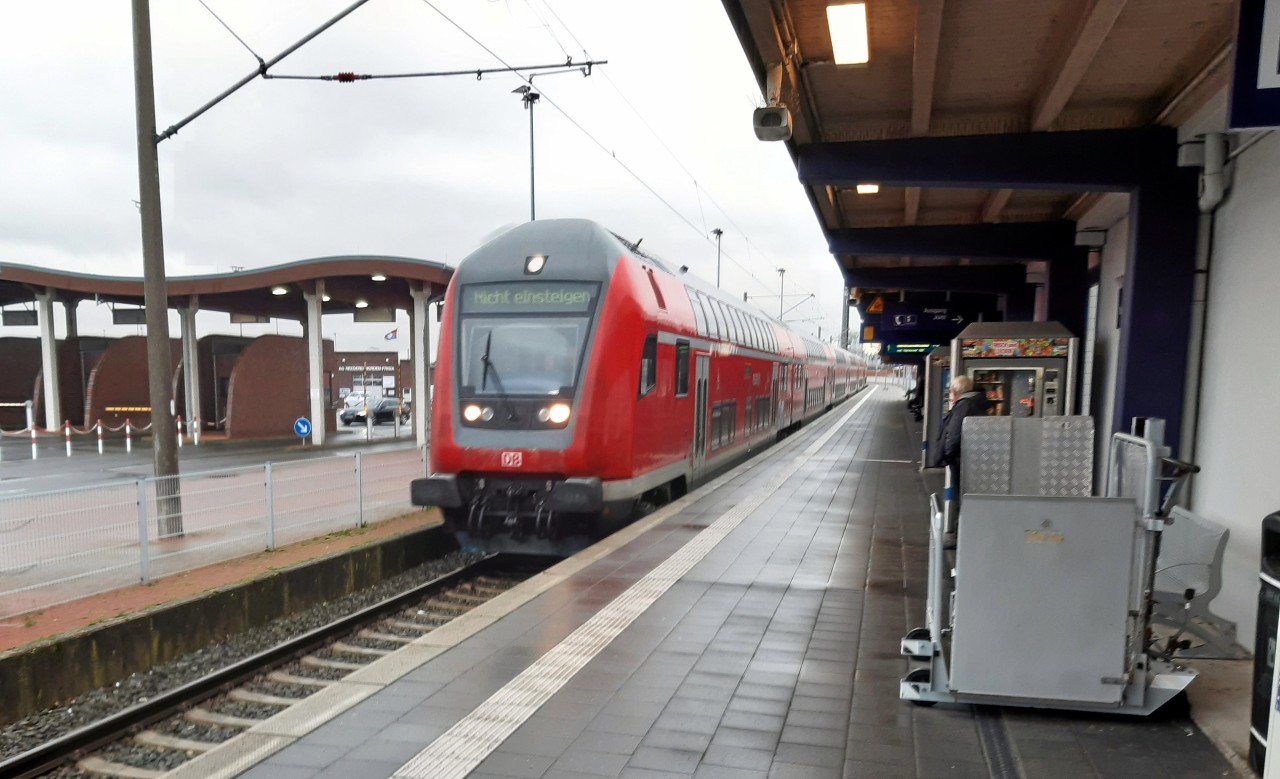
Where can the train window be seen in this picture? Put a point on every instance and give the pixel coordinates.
(649, 365)
(698, 316)
(722, 329)
(713, 328)
(682, 368)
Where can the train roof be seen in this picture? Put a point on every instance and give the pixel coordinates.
(583, 250)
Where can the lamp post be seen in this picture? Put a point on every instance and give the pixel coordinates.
(781, 274)
(529, 98)
(717, 233)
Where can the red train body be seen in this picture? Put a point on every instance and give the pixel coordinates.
(578, 381)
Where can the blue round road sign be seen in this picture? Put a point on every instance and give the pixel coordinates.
(302, 427)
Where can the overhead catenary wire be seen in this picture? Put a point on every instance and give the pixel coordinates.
(662, 142)
(613, 154)
(568, 66)
(227, 27)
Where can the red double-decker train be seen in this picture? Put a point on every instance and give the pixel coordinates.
(579, 382)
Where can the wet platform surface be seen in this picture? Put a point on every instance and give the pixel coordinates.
(768, 648)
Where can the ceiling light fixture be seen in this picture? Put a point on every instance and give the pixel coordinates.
(378, 277)
(362, 303)
(279, 290)
(848, 25)
(325, 297)
(868, 189)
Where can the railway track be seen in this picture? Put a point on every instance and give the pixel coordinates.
(157, 735)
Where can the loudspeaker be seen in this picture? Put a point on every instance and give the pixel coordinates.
(772, 123)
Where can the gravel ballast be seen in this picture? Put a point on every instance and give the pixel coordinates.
(32, 731)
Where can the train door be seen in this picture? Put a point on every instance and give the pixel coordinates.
(775, 407)
(702, 369)
(784, 397)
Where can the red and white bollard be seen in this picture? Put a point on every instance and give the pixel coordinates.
(195, 431)
(35, 450)
(128, 436)
(178, 421)
(66, 429)
(99, 436)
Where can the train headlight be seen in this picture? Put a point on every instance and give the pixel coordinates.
(544, 414)
(558, 413)
(534, 263)
(471, 413)
(486, 414)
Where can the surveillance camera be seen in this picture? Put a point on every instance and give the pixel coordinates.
(772, 123)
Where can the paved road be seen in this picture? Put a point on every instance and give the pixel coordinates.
(19, 474)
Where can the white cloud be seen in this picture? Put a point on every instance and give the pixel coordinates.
(284, 170)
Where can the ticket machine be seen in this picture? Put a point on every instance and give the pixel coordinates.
(1026, 369)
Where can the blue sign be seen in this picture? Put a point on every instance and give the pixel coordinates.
(302, 427)
(924, 316)
(1255, 84)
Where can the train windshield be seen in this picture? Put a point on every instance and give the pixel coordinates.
(523, 338)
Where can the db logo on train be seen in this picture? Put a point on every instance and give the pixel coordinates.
(512, 459)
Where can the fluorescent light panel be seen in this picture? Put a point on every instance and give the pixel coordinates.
(868, 189)
(848, 25)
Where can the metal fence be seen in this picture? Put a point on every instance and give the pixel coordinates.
(67, 544)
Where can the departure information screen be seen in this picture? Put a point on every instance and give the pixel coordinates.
(524, 297)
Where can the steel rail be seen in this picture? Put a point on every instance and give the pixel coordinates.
(58, 751)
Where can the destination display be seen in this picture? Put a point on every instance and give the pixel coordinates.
(1014, 347)
(529, 298)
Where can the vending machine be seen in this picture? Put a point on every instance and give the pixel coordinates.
(1026, 369)
(937, 402)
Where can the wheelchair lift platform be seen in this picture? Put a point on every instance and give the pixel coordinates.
(1048, 604)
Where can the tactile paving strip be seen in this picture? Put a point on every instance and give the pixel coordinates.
(473, 738)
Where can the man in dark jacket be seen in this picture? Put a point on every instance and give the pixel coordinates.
(965, 402)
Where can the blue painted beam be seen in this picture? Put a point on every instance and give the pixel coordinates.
(1011, 240)
(1089, 160)
(995, 279)
(1069, 290)
(1155, 316)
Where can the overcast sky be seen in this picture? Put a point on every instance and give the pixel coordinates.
(657, 144)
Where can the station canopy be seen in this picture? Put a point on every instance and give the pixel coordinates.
(351, 283)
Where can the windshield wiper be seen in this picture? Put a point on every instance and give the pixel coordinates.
(484, 378)
(488, 364)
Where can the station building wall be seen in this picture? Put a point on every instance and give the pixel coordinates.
(119, 382)
(1237, 444)
(268, 387)
(77, 357)
(353, 370)
(21, 360)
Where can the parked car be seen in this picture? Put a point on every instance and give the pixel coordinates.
(382, 410)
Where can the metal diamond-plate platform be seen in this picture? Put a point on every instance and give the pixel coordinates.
(1066, 457)
(985, 465)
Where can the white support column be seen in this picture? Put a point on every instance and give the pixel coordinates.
(191, 367)
(49, 361)
(315, 363)
(420, 346)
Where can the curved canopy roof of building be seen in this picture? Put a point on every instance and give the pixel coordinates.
(274, 291)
